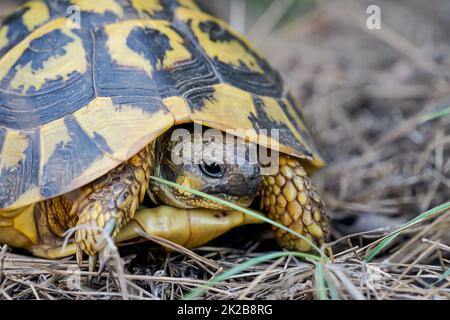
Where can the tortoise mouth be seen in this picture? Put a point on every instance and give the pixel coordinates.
(243, 201)
(200, 202)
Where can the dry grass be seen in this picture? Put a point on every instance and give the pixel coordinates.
(364, 94)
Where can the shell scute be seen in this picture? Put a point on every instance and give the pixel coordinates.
(20, 23)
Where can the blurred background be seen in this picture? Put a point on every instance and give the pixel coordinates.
(376, 101)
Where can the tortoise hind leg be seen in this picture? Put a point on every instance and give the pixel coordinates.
(290, 199)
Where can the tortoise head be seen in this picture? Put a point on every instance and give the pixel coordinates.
(207, 161)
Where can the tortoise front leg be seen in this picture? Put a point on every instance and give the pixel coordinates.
(112, 203)
(289, 198)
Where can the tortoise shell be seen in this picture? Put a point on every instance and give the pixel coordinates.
(76, 101)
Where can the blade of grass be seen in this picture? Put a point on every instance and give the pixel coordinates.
(442, 277)
(323, 282)
(435, 115)
(437, 210)
(320, 282)
(243, 266)
(332, 288)
(236, 207)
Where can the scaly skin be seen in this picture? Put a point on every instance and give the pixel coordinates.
(289, 198)
(113, 202)
(58, 214)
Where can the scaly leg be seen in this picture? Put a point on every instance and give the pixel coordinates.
(112, 203)
(289, 198)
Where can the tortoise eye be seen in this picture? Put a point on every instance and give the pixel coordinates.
(213, 170)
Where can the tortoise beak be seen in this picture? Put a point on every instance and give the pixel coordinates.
(237, 185)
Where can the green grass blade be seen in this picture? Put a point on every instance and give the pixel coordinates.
(443, 277)
(437, 210)
(243, 266)
(331, 288)
(435, 115)
(236, 207)
(320, 282)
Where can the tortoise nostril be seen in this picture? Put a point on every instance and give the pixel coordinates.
(253, 184)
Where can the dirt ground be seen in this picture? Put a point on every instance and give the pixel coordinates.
(376, 102)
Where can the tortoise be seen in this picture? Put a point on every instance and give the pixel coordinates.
(87, 116)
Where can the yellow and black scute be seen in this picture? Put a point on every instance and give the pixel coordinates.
(78, 100)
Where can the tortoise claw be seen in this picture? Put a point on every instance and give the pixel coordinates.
(79, 256)
(104, 244)
(103, 263)
(93, 260)
(97, 252)
(92, 265)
